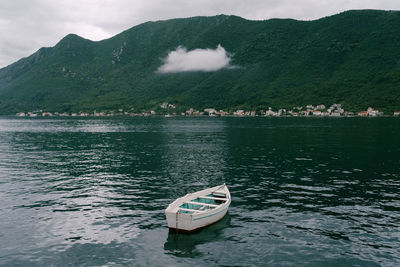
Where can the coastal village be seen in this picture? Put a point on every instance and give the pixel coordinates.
(167, 110)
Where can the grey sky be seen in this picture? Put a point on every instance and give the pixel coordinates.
(27, 25)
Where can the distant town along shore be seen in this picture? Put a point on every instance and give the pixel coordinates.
(167, 109)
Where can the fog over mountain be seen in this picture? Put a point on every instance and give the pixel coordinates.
(181, 60)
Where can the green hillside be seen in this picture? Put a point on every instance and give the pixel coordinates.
(351, 58)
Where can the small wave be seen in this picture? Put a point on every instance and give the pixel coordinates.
(303, 159)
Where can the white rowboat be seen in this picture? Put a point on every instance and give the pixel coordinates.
(198, 210)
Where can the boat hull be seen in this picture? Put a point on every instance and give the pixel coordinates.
(191, 225)
(187, 220)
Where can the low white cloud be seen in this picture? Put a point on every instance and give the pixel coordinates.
(182, 60)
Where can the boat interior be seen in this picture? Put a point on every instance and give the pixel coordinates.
(203, 203)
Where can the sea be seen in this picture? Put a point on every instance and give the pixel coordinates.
(305, 191)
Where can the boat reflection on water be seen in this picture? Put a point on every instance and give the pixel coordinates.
(184, 245)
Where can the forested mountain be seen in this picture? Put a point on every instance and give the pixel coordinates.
(351, 58)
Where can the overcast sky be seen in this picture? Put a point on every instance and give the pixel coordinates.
(27, 25)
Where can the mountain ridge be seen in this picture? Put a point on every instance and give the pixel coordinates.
(350, 58)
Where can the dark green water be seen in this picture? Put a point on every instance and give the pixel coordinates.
(304, 191)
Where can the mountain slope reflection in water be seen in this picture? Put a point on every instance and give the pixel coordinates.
(304, 191)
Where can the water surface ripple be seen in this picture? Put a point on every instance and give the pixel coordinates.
(305, 191)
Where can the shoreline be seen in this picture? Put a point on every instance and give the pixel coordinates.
(191, 116)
